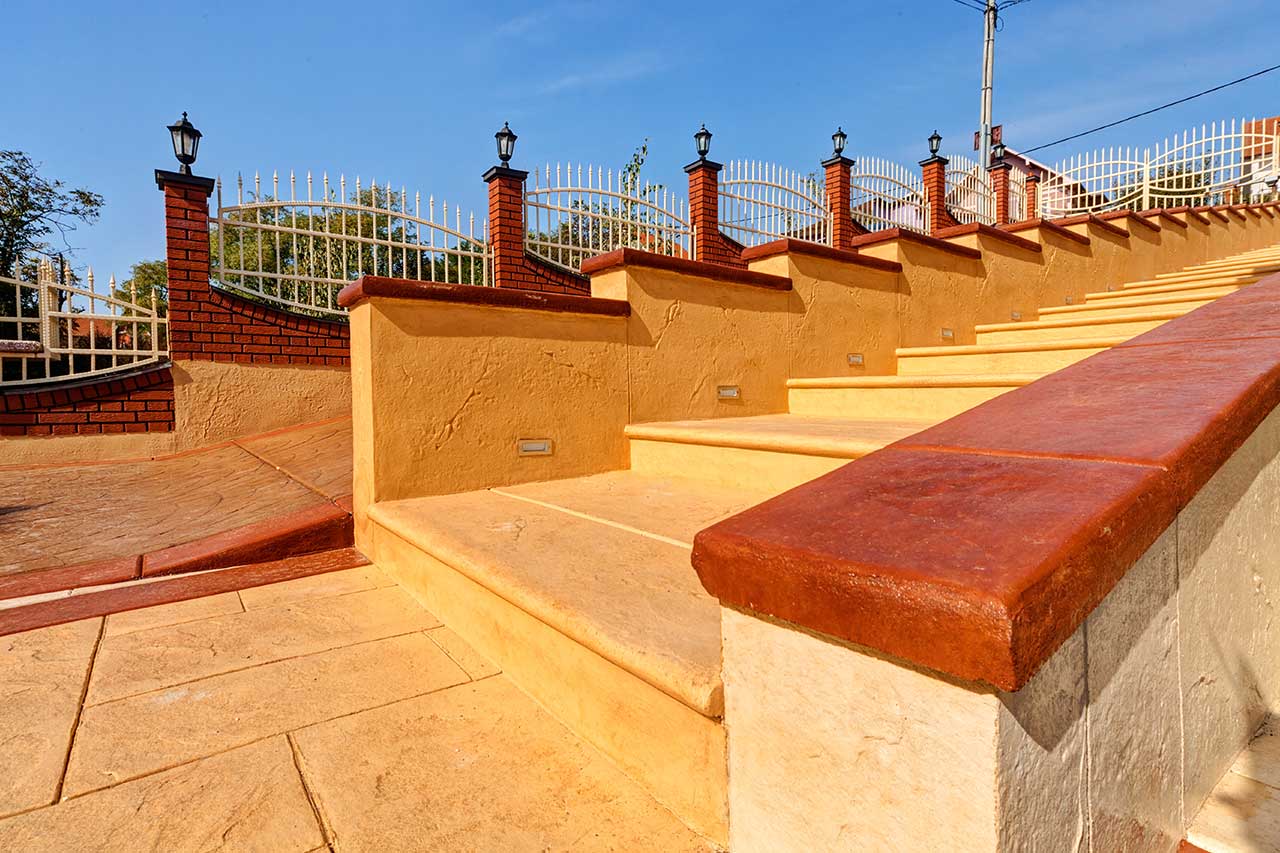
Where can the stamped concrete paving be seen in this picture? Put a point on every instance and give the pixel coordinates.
(325, 712)
(62, 515)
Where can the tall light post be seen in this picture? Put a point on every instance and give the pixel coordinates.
(990, 14)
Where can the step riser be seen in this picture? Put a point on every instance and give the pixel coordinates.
(1172, 290)
(1052, 333)
(1143, 306)
(890, 403)
(674, 752)
(986, 363)
(735, 467)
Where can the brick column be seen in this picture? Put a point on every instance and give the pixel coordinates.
(934, 173)
(704, 207)
(186, 217)
(506, 224)
(839, 198)
(1000, 189)
(1033, 196)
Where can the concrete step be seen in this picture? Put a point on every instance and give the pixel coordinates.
(1243, 811)
(581, 591)
(897, 398)
(1074, 327)
(1036, 358)
(1176, 288)
(1202, 272)
(1132, 305)
(770, 453)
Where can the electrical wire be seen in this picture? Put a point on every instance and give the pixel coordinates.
(1153, 109)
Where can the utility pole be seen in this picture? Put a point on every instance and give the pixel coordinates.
(988, 72)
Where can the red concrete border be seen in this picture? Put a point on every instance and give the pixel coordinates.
(877, 237)
(1191, 212)
(1049, 227)
(318, 528)
(1096, 221)
(105, 602)
(1130, 218)
(39, 581)
(652, 260)
(789, 246)
(1165, 217)
(470, 294)
(978, 546)
(994, 233)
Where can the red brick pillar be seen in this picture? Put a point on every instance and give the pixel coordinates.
(186, 218)
(934, 173)
(1000, 189)
(839, 197)
(704, 208)
(1033, 196)
(506, 224)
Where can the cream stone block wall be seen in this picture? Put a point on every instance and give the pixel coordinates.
(444, 392)
(1112, 746)
(688, 335)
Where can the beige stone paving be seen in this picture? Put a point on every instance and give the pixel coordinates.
(252, 725)
(42, 677)
(478, 767)
(162, 657)
(1242, 815)
(318, 455)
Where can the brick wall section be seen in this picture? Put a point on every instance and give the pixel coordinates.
(140, 402)
(1033, 196)
(210, 325)
(1000, 189)
(840, 202)
(710, 245)
(934, 172)
(512, 266)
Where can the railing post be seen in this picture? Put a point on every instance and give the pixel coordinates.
(1146, 179)
(839, 195)
(186, 220)
(506, 225)
(1033, 196)
(933, 172)
(704, 208)
(999, 172)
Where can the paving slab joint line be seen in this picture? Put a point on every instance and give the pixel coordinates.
(1023, 454)
(615, 524)
(283, 471)
(84, 694)
(321, 821)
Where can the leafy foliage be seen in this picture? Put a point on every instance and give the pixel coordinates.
(33, 208)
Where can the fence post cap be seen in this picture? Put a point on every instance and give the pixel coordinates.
(936, 158)
(837, 160)
(495, 172)
(166, 178)
(703, 164)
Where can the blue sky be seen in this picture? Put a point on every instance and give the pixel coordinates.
(413, 92)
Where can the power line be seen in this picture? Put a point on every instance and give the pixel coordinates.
(967, 5)
(1154, 109)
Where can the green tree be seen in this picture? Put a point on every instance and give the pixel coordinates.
(33, 208)
(147, 285)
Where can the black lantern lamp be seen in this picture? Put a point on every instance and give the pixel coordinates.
(703, 140)
(186, 143)
(997, 154)
(506, 143)
(935, 143)
(838, 139)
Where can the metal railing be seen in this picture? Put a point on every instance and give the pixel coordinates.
(1018, 195)
(297, 253)
(884, 195)
(576, 212)
(1218, 163)
(969, 193)
(761, 202)
(57, 328)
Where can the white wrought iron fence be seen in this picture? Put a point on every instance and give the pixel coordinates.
(1018, 195)
(56, 327)
(298, 252)
(573, 213)
(884, 195)
(1218, 163)
(761, 202)
(969, 193)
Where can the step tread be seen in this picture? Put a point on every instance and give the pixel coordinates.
(625, 592)
(940, 380)
(1021, 346)
(784, 433)
(1187, 287)
(1136, 302)
(1075, 322)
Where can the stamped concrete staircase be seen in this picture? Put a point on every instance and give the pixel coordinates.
(582, 588)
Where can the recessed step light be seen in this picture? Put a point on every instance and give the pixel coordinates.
(856, 359)
(728, 392)
(948, 334)
(1016, 315)
(533, 447)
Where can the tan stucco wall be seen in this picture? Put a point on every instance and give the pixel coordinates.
(688, 335)
(1113, 745)
(445, 391)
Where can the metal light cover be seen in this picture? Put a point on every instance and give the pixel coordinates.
(935, 142)
(703, 140)
(506, 143)
(997, 152)
(838, 139)
(186, 143)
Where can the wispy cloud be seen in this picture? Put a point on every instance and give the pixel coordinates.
(606, 72)
(543, 20)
